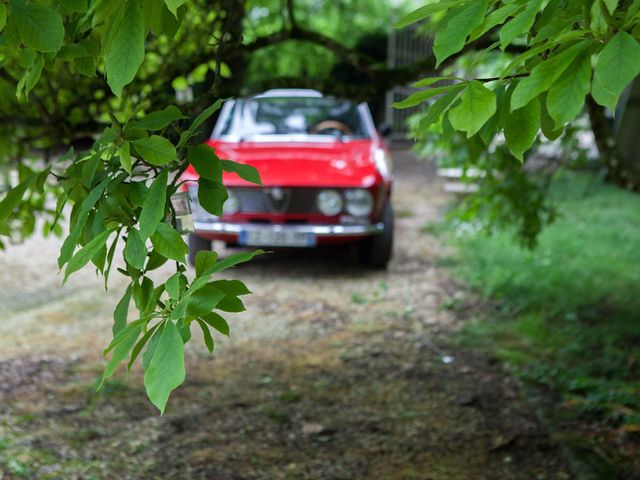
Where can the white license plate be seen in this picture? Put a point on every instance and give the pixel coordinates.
(271, 238)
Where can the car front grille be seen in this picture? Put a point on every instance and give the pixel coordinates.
(277, 200)
(265, 200)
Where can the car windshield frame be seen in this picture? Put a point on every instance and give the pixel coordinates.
(229, 110)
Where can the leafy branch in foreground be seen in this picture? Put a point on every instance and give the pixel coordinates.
(119, 191)
(572, 54)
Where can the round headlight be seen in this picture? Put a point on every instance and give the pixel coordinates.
(359, 202)
(231, 204)
(330, 202)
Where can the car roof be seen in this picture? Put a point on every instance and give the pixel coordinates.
(289, 92)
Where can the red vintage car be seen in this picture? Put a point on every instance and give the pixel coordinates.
(325, 171)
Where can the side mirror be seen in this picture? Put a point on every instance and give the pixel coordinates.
(384, 130)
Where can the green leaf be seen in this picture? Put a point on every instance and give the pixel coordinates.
(87, 205)
(122, 334)
(211, 195)
(217, 322)
(204, 300)
(426, 11)
(231, 304)
(521, 127)
(184, 328)
(142, 292)
(205, 162)
(547, 124)
(437, 109)
(135, 251)
(124, 152)
(208, 339)
(122, 311)
(13, 198)
(565, 98)
(205, 262)
(173, 5)
(153, 207)
(545, 74)
(206, 113)
(121, 352)
(520, 24)
(246, 172)
(497, 17)
(477, 106)
(617, 65)
(89, 170)
(30, 78)
(126, 47)
(419, 97)
(155, 261)
(168, 242)
(428, 81)
(39, 27)
(598, 20)
(452, 38)
(151, 347)
(141, 343)
(166, 369)
(87, 252)
(235, 259)
(85, 66)
(159, 119)
(155, 150)
(110, 255)
(3, 15)
(632, 10)
(611, 5)
(159, 19)
(79, 6)
(231, 287)
(172, 285)
(137, 193)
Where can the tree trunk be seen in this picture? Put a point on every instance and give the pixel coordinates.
(616, 146)
(625, 131)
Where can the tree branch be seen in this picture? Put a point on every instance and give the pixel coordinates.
(290, 13)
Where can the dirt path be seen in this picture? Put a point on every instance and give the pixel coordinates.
(333, 373)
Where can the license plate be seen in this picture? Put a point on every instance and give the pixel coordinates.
(271, 238)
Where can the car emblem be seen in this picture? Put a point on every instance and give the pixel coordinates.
(277, 199)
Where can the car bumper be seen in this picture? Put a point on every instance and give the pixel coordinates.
(320, 231)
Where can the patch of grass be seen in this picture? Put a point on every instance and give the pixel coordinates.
(435, 228)
(400, 213)
(377, 295)
(567, 314)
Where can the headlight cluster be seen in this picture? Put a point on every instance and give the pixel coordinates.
(330, 202)
(357, 202)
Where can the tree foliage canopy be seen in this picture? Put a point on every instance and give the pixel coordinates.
(517, 68)
(569, 49)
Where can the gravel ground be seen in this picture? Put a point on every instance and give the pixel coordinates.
(334, 372)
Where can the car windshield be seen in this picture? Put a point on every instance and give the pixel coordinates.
(274, 118)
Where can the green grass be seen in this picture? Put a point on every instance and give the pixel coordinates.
(567, 315)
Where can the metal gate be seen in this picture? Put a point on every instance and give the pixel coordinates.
(405, 47)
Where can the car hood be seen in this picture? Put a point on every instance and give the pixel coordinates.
(311, 164)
